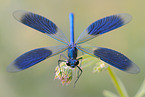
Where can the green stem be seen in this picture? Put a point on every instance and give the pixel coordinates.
(115, 81)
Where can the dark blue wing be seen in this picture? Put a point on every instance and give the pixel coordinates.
(41, 24)
(112, 57)
(103, 25)
(33, 57)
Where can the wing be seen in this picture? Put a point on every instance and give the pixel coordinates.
(33, 57)
(41, 24)
(111, 57)
(103, 25)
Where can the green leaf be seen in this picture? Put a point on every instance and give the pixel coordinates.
(122, 87)
(141, 91)
(109, 94)
(118, 84)
(88, 60)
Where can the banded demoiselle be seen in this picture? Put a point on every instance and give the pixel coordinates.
(97, 28)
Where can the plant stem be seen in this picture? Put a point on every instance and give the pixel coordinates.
(115, 81)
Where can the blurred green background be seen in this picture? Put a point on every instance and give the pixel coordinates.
(38, 81)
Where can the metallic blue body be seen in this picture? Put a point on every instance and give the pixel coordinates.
(71, 18)
(72, 55)
(72, 50)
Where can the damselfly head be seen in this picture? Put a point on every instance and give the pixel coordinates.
(72, 63)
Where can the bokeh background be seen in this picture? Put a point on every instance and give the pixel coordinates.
(38, 81)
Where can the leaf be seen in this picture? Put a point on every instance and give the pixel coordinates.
(88, 60)
(141, 91)
(118, 83)
(109, 94)
(122, 87)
